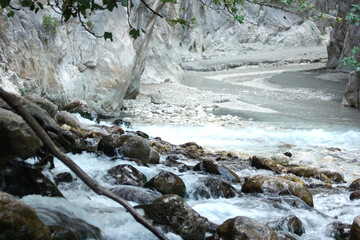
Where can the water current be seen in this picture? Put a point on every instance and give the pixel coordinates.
(309, 122)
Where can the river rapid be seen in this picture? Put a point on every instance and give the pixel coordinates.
(302, 115)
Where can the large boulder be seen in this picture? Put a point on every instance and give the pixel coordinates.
(109, 143)
(138, 148)
(82, 108)
(20, 178)
(17, 138)
(174, 212)
(355, 229)
(167, 183)
(265, 163)
(243, 228)
(277, 186)
(212, 167)
(126, 174)
(19, 221)
(67, 118)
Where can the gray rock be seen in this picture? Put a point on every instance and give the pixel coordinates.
(44, 103)
(82, 108)
(138, 148)
(20, 221)
(213, 188)
(127, 175)
(136, 194)
(292, 224)
(352, 91)
(154, 157)
(243, 228)
(211, 167)
(167, 183)
(67, 118)
(109, 143)
(17, 138)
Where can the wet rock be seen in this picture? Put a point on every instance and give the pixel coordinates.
(167, 183)
(69, 224)
(17, 138)
(64, 177)
(62, 233)
(127, 175)
(190, 150)
(317, 184)
(316, 172)
(161, 146)
(211, 167)
(214, 188)
(122, 123)
(332, 174)
(282, 159)
(20, 179)
(355, 229)
(109, 143)
(243, 228)
(19, 221)
(67, 118)
(355, 195)
(174, 212)
(294, 178)
(352, 92)
(142, 134)
(355, 185)
(171, 161)
(277, 186)
(82, 108)
(137, 147)
(45, 104)
(339, 231)
(154, 157)
(264, 163)
(136, 194)
(292, 224)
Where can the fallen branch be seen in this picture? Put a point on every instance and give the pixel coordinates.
(17, 104)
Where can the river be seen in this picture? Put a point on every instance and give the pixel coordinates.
(306, 118)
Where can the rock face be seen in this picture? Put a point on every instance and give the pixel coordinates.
(352, 91)
(243, 228)
(277, 186)
(172, 211)
(19, 221)
(167, 183)
(17, 138)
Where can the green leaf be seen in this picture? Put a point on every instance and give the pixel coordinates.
(40, 5)
(124, 3)
(108, 35)
(11, 14)
(134, 33)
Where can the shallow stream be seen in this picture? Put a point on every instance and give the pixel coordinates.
(309, 122)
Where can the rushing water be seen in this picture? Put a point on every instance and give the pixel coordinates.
(312, 144)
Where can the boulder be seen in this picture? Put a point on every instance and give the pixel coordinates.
(17, 138)
(190, 150)
(243, 228)
(174, 212)
(137, 147)
(167, 183)
(282, 159)
(264, 163)
(20, 178)
(172, 161)
(82, 108)
(214, 188)
(154, 157)
(355, 195)
(316, 172)
(277, 186)
(161, 146)
(19, 221)
(122, 123)
(355, 185)
(339, 230)
(109, 143)
(291, 224)
(127, 175)
(45, 104)
(136, 194)
(211, 167)
(294, 178)
(355, 229)
(67, 118)
(63, 177)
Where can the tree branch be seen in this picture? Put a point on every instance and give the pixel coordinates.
(17, 104)
(148, 7)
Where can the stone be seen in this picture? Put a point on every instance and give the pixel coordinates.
(167, 183)
(126, 174)
(265, 163)
(82, 108)
(61, 232)
(67, 118)
(161, 146)
(213, 188)
(44, 103)
(19, 221)
(17, 138)
(137, 147)
(243, 228)
(63, 177)
(20, 179)
(277, 186)
(154, 157)
(339, 230)
(174, 212)
(109, 143)
(294, 178)
(355, 229)
(291, 224)
(355, 195)
(282, 159)
(172, 161)
(355, 185)
(121, 122)
(211, 167)
(190, 150)
(316, 172)
(136, 194)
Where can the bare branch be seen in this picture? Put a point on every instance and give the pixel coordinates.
(148, 7)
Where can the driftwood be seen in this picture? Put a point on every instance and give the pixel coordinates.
(17, 104)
